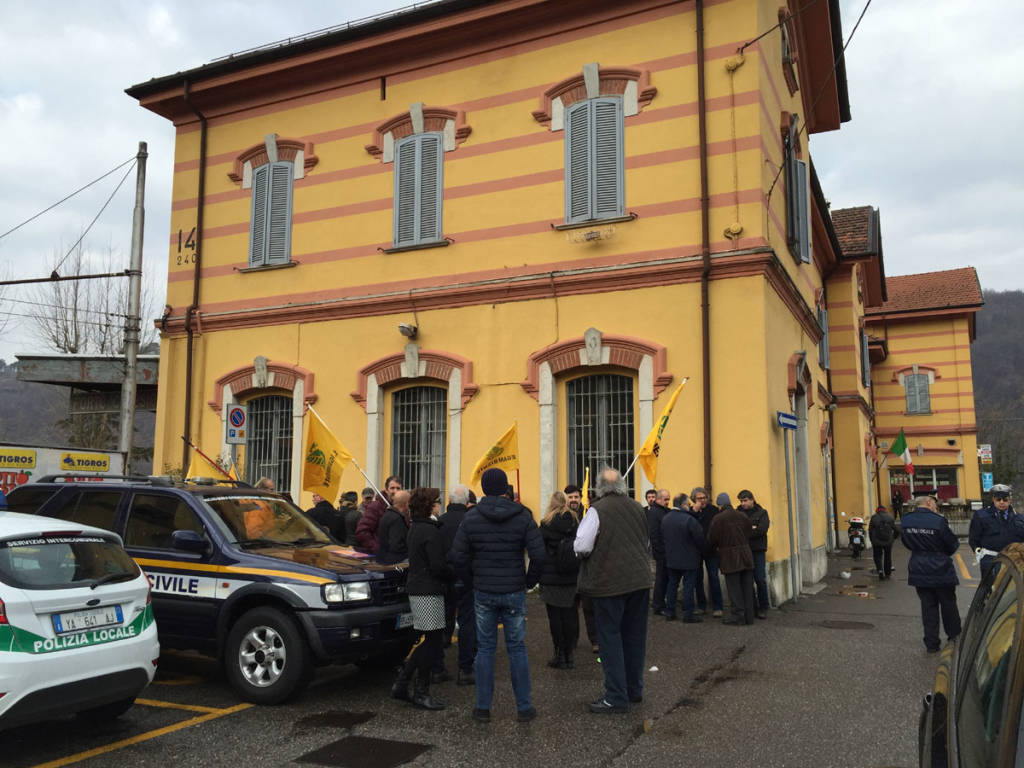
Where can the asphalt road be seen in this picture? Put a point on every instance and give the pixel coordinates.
(833, 680)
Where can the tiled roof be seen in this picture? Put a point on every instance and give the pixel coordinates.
(931, 290)
(854, 230)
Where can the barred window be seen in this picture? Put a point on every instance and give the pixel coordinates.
(268, 452)
(418, 436)
(600, 426)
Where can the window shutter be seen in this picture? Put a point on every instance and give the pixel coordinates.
(910, 385)
(608, 159)
(823, 355)
(803, 213)
(918, 399)
(865, 361)
(430, 188)
(405, 193)
(258, 216)
(790, 170)
(279, 227)
(923, 396)
(577, 162)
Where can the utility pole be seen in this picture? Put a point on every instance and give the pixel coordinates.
(133, 321)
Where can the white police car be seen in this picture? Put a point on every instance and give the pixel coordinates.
(76, 625)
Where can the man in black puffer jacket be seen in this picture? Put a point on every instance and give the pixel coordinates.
(488, 550)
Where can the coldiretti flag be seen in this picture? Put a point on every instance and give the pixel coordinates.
(199, 466)
(900, 449)
(585, 491)
(504, 454)
(324, 459)
(648, 456)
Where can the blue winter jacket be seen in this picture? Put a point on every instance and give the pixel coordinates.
(489, 544)
(931, 543)
(993, 529)
(683, 540)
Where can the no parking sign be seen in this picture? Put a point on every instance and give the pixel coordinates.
(236, 425)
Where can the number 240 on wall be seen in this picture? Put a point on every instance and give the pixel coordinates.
(188, 242)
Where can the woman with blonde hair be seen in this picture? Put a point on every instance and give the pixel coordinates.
(558, 580)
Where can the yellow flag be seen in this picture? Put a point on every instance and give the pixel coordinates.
(504, 454)
(648, 456)
(232, 472)
(324, 459)
(198, 466)
(585, 493)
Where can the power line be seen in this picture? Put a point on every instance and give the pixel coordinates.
(55, 278)
(45, 210)
(83, 322)
(772, 29)
(72, 248)
(44, 305)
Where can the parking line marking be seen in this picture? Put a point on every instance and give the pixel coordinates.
(963, 567)
(175, 705)
(142, 737)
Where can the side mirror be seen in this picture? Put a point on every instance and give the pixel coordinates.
(189, 541)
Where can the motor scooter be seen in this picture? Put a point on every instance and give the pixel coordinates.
(856, 535)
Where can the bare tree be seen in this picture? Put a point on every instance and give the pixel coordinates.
(88, 316)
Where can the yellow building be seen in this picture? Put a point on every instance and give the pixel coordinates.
(468, 214)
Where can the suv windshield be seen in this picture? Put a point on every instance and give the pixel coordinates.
(267, 520)
(64, 561)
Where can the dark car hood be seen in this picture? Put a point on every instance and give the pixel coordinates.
(328, 557)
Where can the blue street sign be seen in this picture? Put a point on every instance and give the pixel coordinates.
(786, 420)
(986, 481)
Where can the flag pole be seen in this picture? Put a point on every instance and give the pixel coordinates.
(519, 490)
(624, 474)
(210, 461)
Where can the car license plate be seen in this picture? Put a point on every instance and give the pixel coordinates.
(403, 620)
(91, 618)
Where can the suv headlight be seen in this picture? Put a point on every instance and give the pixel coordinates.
(347, 592)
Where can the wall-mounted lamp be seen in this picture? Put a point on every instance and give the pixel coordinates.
(408, 330)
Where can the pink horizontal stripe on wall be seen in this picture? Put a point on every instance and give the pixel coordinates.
(924, 363)
(922, 350)
(933, 395)
(966, 411)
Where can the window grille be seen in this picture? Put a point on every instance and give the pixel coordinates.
(268, 451)
(600, 426)
(419, 419)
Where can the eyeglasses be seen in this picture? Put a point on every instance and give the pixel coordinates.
(1001, 496)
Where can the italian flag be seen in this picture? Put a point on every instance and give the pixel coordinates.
(900, 449)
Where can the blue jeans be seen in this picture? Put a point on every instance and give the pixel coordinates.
(761, 580)
(622, 635)
(714, 585)
(689, 579)
(510, 610)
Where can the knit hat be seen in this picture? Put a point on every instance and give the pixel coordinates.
(350, 496)
(722, 500)
(745, 494)
(494, 482)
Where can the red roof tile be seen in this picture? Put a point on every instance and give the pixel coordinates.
(853, 228)
(931, 290)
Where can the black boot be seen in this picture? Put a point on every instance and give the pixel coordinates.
(421, 698)
(400, 688)
(558, 659)
(569, 657)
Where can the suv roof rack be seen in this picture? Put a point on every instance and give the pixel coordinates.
(217, 481)
(72, 476)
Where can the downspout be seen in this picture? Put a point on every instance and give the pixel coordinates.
(705, 247)
(831, 427)
(197, 257)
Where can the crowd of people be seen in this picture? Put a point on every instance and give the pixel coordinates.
(471, 568)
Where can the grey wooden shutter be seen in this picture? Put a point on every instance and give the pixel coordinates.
(577, 162)
(608, 159)
(279, 222)
(405, 193)
(923, 395)
(865, 359)
(823, 353)
(803, 213)
(918, 399)
(258, 216)
(429, 187)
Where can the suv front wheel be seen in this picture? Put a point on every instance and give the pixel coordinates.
(266, 658)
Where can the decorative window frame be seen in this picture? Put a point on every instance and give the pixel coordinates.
(933, 374)
(593, 348)
(414, 363)
(254, 379)
(798, 378)
(450, 123)
(633, 85)
(788, 54)
(274, 149)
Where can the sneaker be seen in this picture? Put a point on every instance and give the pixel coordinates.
(466, 677)
(526, 715)
(482, 715)
(602, 707)
(692, 620)
(881, 575)
(717, 614)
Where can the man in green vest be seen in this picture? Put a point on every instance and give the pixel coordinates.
(616, 573)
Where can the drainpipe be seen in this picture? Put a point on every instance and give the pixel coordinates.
(831, 428)
(705, 247)
(197, 256)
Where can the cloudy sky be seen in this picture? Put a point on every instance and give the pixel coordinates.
(935, 90)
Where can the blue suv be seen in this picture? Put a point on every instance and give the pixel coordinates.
(243, 575)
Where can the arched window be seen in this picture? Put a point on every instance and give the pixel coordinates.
(419, 419)
(268, 451)
(599, 425)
